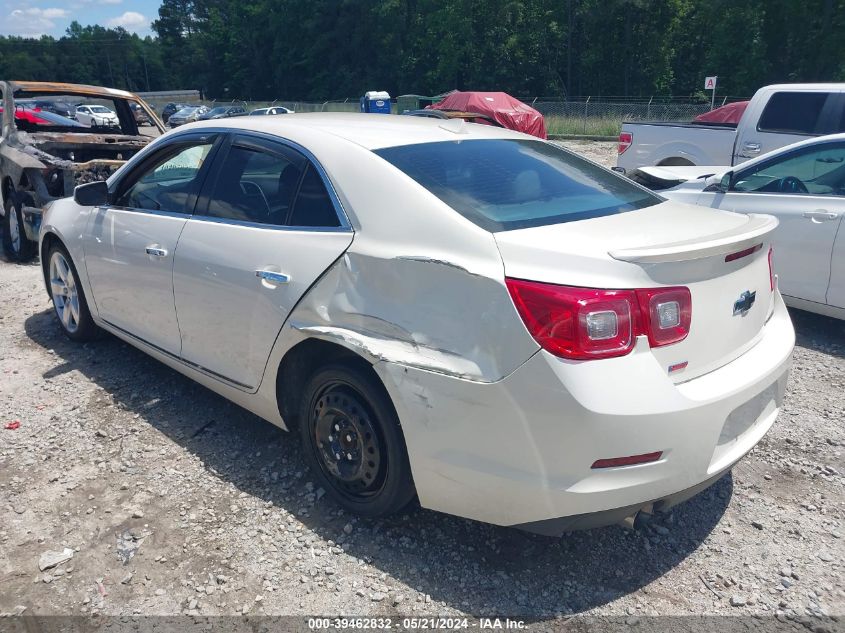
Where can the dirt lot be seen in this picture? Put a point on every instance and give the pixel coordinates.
(174, 501)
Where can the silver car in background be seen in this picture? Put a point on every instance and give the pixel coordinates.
(445, 310)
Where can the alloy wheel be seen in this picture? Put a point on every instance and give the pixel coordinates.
(63, 288)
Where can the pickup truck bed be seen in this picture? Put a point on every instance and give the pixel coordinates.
(776, 116)
(660, 143)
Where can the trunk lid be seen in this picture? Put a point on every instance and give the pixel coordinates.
(669, 244)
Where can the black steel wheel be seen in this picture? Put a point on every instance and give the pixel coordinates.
(16, 245)
(353, 441)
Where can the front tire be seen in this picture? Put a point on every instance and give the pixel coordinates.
(68, 296)
(16, 246)
(353, 442)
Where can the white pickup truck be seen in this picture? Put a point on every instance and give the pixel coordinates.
(776, 116)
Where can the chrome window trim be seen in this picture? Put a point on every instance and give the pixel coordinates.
(168, 214)
(182, 135)
(273, 227)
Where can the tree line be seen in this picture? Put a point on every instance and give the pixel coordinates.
(327, 49)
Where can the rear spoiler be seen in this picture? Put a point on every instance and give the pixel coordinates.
(724, 243)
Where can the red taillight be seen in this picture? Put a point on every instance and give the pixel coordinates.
(588, 323)
(771, 270)
(614, 462)
(578, 323)
(668, 314)
(625, 140)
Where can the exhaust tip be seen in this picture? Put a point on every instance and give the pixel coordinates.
(639, 519)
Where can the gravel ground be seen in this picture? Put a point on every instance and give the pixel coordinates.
(171, 500)
(601, 152)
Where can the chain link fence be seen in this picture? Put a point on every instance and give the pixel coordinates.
(592, 116)
(604, 117)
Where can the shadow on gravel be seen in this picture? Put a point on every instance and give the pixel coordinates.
(477, 568)
(819, 333)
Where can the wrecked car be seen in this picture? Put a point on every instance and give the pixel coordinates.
(459, 313)
(43, 156)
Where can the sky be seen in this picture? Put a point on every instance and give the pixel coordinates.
(34, 18)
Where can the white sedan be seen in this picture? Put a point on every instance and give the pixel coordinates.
(96, 116)
(454, 312)
(803, 185)
(271, 110)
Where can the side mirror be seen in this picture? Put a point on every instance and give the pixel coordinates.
(724, 184)
(92, 194)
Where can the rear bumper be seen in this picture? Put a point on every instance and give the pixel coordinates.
(520, 451)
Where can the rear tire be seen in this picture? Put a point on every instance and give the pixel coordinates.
(68, 297)
(16, 246)
(353, 442)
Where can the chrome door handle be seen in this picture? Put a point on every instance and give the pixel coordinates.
(820, 215)
(155, 251)
(272, 276)
(751, 149)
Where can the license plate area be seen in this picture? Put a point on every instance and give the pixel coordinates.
(741, 422)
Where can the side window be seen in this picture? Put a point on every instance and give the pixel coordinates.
(167, 183)
(278, 187)
(819, 171)
(792, 112)
(313, 206)
(256, 186)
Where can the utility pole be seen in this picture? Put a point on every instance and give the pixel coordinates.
(146, 74)
(108, 59)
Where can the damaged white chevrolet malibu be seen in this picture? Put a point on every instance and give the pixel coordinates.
(447, 311)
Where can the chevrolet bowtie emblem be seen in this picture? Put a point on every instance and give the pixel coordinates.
(744, 303)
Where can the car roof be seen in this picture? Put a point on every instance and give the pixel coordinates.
(832, 87)
(45, 87)
(372, 131)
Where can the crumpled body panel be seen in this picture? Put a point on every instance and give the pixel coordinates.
(423, 313)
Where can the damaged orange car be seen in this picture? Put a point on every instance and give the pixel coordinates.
(43, 156)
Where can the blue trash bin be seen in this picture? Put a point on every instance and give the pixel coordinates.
(375, 101)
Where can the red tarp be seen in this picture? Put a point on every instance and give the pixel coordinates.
(729, 114)
(501, 107)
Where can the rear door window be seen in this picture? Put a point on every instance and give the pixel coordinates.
(264, 182)
(505, 184)
(313, 205)
(256, 184)
(793, 112)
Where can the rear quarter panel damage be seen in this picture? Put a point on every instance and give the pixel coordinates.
(420, 286)
(426, 313)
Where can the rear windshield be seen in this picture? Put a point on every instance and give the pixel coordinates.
(506, 184)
